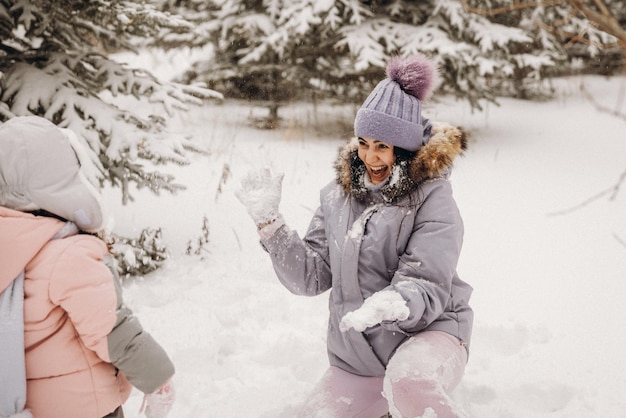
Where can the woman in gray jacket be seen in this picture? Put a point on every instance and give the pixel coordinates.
(385, 240)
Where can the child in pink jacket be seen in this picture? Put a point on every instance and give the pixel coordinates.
(84, 349)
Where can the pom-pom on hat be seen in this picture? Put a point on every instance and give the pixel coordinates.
(392, 113)
(40, 168)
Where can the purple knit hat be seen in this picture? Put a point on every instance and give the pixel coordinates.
(392, 113)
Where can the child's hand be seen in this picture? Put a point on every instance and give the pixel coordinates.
(159, 403)
(386, 305)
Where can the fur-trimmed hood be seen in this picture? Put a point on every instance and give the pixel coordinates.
(432, 160)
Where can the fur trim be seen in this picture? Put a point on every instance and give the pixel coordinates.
(432, 160)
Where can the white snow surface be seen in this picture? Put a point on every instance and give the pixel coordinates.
(547, 262)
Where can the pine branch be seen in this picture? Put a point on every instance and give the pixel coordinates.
(63, 90)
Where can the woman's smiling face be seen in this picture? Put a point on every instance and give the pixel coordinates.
(378, 158)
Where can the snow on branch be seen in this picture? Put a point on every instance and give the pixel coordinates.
(364, 42)
(54, 64)
(63, 91)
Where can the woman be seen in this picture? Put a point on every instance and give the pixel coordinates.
(81, 346)
(386, 240)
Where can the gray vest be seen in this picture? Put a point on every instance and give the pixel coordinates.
(12, 365)
(12, 362)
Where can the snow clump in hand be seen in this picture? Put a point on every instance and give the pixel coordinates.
(386, 305)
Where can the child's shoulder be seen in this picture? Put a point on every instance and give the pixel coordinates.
(81, 245)
(60, 261)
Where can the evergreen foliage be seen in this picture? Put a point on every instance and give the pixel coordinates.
(279, 50)
(54, 63)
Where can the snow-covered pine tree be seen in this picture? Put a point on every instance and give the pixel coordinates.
(591, 33)
(277, 50)
(259, 53)
(54, 63)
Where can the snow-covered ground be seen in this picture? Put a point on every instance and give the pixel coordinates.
(548, 269)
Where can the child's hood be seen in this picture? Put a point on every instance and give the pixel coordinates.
(22, 236)
(45, 167)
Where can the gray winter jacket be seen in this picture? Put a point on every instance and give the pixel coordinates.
(405, 235)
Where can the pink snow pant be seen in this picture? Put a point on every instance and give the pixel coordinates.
(419, 378)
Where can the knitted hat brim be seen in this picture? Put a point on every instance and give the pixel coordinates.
(383, 127)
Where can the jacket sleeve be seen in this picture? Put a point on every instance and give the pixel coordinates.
(91, 295)
(428, 265)
(302, 265)
(134, 351)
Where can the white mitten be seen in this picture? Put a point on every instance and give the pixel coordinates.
(260, 193)
(386, 305)
(158, 403)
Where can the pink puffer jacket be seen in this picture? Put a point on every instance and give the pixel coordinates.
(76, 327)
